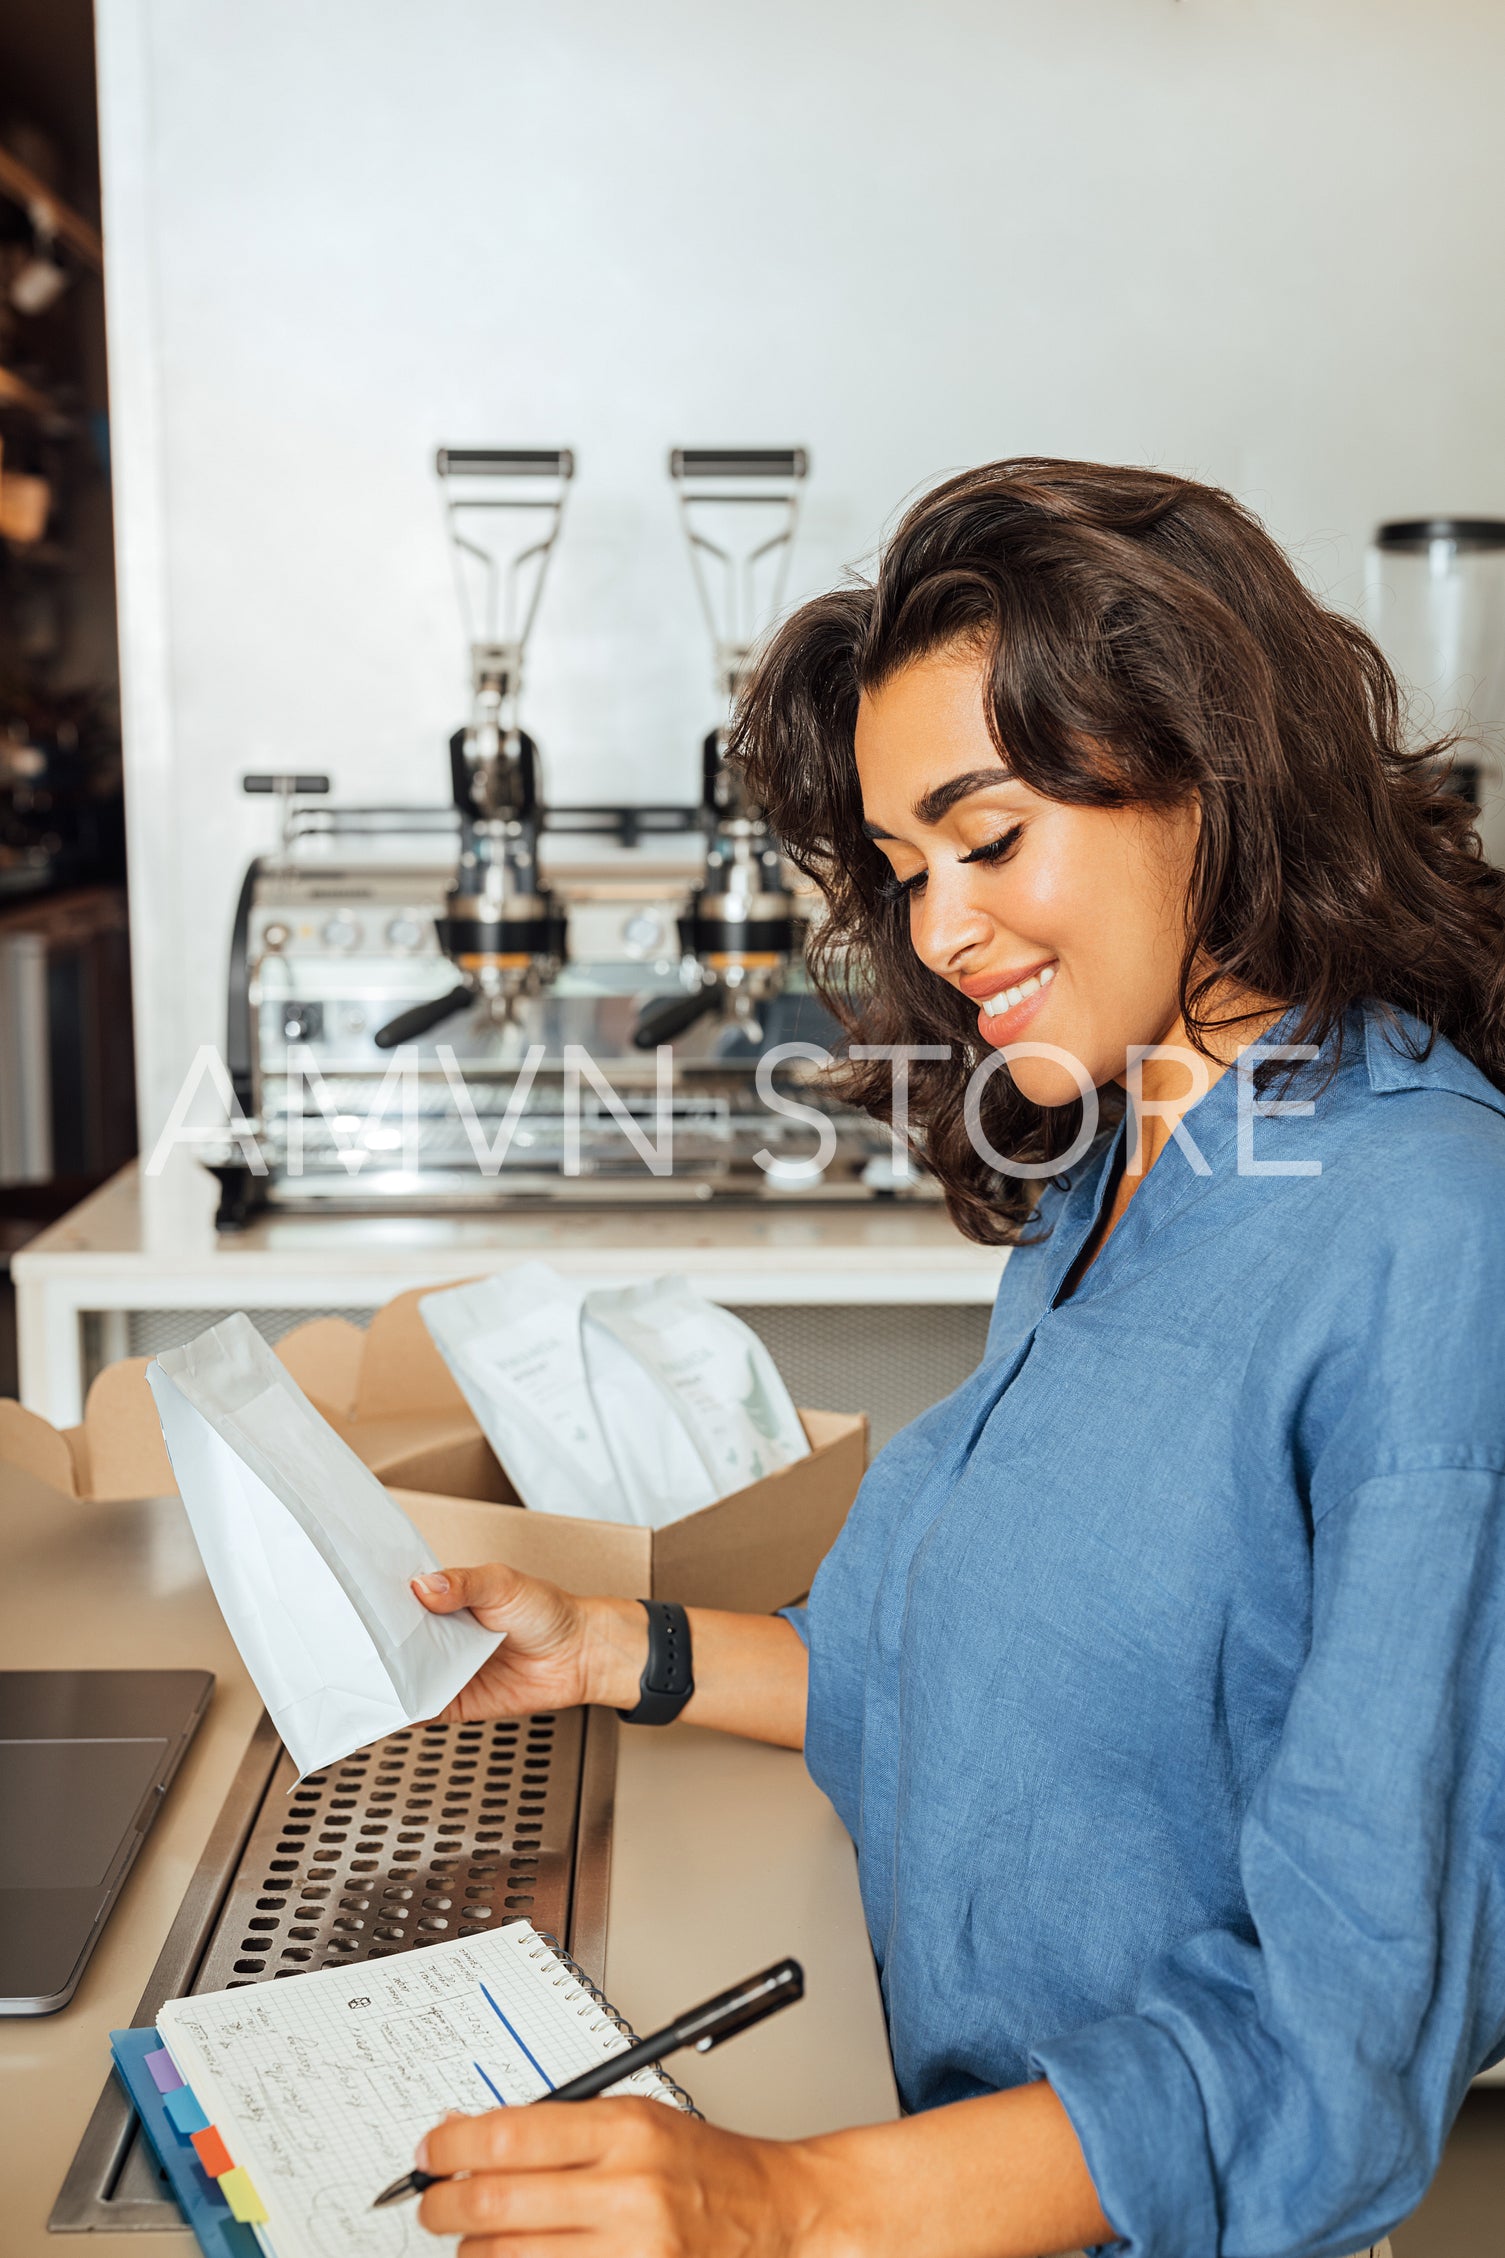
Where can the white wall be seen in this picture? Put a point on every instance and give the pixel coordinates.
(1259, 240)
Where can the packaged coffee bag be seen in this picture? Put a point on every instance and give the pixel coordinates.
(310, 1558)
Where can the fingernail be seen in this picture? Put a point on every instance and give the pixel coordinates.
(421, 2154)
(432, 1583)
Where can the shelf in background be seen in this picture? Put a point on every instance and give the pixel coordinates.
(49, 211)
(15, 392)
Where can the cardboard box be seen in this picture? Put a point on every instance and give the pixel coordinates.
(117, 1453)
(756, 1550)
(387, 1391)
(389, 1394)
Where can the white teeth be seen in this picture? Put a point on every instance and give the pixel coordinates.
(1006, 999)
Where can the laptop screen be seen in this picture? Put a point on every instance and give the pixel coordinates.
(68, 1805)
(84, 1756)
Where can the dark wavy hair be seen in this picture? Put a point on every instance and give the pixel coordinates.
(1145, 642)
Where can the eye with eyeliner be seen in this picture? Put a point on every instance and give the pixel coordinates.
(991, 851)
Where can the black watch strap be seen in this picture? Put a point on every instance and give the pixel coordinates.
(668, 1678)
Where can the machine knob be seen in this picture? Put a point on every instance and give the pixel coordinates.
(340, 932)
(302, 1023)
(405, 933)
(643, 934)
(275, 936)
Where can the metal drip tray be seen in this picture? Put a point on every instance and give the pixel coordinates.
(427, 1835)
(433, 1833)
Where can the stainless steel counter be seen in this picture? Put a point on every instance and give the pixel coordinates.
(724, 1856)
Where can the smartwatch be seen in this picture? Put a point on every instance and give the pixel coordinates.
(668, 1678)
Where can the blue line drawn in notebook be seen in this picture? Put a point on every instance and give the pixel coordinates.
(514, 2033)
(501, 2098)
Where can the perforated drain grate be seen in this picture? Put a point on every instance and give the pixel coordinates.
(434, 1833)
(441, 1832)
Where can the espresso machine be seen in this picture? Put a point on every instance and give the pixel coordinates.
(461, 1005)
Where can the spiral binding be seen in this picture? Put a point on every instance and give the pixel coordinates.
(573, 1968)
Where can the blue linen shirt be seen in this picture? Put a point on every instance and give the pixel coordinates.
(1159, 1673)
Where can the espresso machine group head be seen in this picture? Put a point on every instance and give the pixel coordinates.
(739, 507)
(501, 927)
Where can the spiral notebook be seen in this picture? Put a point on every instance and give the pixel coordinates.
(295, 2102)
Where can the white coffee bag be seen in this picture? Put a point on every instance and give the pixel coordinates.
(310, 1558)
(719, 1377)
(513, 1345)
(640, 1404)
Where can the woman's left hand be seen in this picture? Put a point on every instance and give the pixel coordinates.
(635, 2178)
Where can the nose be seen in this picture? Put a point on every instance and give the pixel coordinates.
(949, 924)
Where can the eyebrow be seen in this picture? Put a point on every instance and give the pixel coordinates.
(942, 798)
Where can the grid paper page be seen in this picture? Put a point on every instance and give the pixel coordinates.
(323, 2084)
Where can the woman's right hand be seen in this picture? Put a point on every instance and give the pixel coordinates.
(559, 1650)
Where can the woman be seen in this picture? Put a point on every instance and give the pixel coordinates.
(1158, 1673)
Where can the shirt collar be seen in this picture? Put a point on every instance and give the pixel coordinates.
(1394, 1042)
(1076, 1217)
(1374, 1039)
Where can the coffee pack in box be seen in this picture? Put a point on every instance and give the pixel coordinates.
(387, 1391)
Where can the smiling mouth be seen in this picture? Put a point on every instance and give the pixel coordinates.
(1008, 998)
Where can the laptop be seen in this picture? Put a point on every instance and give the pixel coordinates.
(85, 1761)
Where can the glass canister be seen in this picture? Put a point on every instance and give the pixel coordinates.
(1435, 598)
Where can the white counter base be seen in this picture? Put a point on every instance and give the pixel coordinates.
(137, 1247)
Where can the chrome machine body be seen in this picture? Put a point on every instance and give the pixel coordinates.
(618, 1001)
(340, 934)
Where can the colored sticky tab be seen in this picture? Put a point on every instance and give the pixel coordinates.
(184, 2111)
(165, 2074)
(245, 2204)
(213, 2154)
(198, 2196)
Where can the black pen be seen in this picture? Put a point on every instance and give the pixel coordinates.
(703, 2027)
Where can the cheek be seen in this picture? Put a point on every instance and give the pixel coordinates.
(1096, 892)
(1098, 886)
(1051, 894)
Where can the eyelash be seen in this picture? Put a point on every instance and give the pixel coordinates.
(993, 850)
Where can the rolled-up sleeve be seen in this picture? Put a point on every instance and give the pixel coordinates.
(1286, 2087)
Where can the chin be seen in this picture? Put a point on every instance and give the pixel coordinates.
(1045, 1084)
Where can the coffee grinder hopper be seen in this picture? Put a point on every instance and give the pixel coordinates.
(501, 928)
(739, 507)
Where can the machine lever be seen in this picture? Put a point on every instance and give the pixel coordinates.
(660, 1021)
(408, 1026)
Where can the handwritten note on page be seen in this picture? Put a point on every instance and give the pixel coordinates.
(323, 2084)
